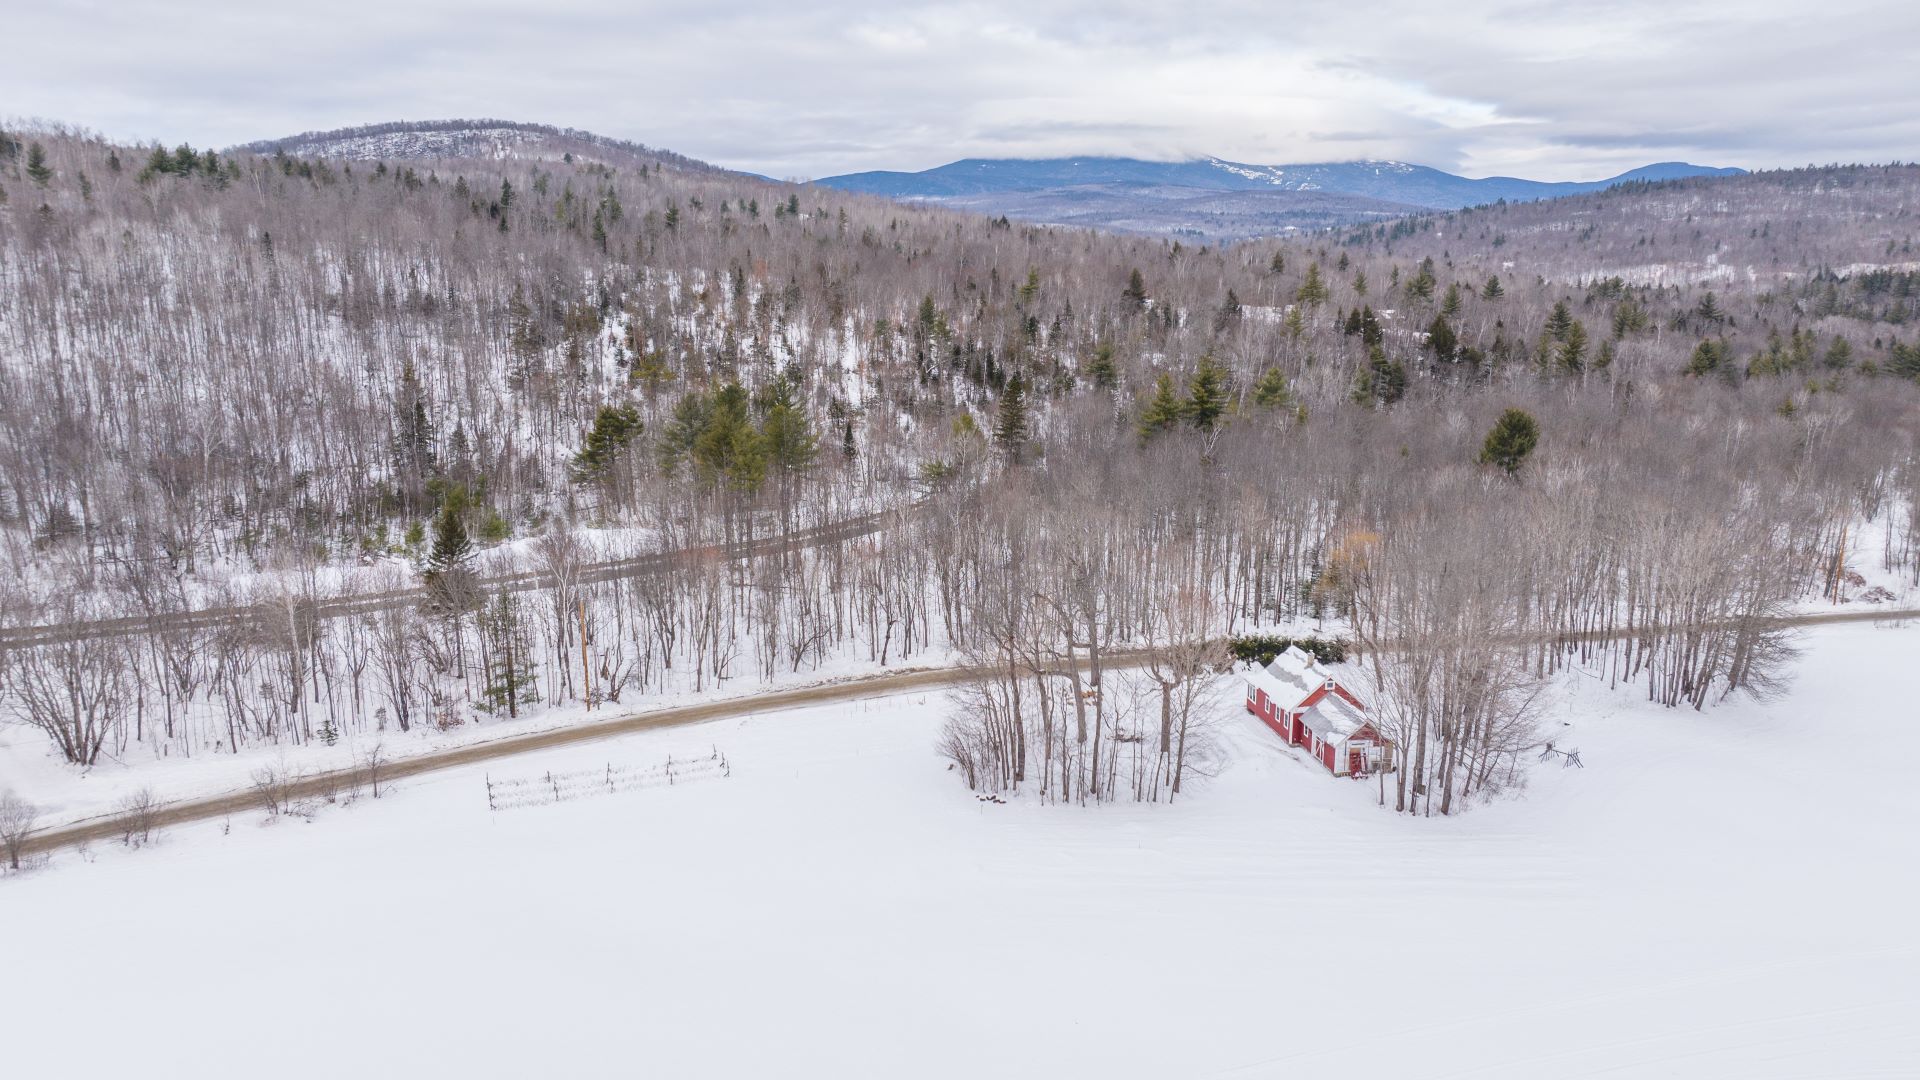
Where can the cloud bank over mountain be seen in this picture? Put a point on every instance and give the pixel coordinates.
(1486, 87)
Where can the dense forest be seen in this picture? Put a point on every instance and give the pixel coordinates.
(293, 448)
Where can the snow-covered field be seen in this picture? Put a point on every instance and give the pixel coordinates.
(1726, 894)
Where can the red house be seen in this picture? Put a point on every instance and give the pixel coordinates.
(1304, 704)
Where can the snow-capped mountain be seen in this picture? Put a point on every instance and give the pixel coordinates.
(1390, 181)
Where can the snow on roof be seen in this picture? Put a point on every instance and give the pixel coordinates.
(1290, 679)
(1334, 719)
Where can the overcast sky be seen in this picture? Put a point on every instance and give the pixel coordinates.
(1534, 88)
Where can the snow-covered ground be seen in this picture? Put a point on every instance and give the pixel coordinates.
(1725, 893)
(63, 794)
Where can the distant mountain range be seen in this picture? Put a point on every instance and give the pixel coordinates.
(1213, 198)
(1391, 181)
(1208, 199)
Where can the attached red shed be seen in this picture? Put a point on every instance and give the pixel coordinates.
(1305, 704)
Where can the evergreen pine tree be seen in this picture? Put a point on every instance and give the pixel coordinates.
(1559, 322)
(1710, 356)
(1572, 354)
(1442, 340)
(451, 547)
(1312, 291)
(1162, 411)
(1272, 392)
(1451, 306)
(1230, 311)
(37, 169)
(1207, 395)
(1135, 294)
(1513, 437)
(1421, 285)
(1101, 368)
(790, 442)
(614, 427)
(1382, 381)
(1492, 289)
(1010, 424)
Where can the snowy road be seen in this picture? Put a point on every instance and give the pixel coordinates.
(1716, 895)
(362, 603)
(231, 802)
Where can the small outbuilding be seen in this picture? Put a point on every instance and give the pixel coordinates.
(1305, 704)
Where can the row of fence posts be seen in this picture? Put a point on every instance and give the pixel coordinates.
(726, 769)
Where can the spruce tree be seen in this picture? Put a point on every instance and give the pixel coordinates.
(1442, 340)
(614, 427)
(1422, 284)
(1163, 409)
(1492, 289)
(1230, 311)
(1272, 392)
(1135, 294)
(1101, 369)
(1207, 395)
(1312, 291)
(1513, 437)
(1010, 424)
(451, 547)
(1560, 321)
(37, 170)
(1572, 354)
(788, 436)
(1382, 381)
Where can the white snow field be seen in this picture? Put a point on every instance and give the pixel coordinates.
(1726, 894)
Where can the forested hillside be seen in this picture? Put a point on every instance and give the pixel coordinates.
(260, 383)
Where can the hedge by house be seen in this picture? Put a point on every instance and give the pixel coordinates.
(1262, 648)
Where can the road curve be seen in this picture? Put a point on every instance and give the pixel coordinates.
(200, 809)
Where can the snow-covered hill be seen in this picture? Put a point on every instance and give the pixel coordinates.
(485, 139)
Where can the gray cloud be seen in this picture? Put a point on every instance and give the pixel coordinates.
(1539, 89)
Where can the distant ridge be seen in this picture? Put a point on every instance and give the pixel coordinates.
(1388, 181)
(477, 138)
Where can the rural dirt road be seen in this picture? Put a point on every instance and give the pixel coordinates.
(360, 603)
(319, 784)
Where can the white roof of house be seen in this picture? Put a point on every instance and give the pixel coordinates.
(1334, 719)
(1290, 679)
